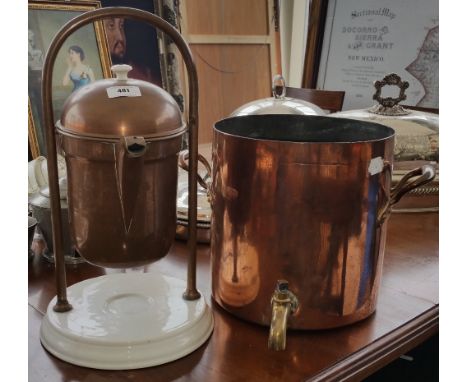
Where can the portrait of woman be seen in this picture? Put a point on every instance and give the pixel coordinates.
(81, 60)
(78, 73)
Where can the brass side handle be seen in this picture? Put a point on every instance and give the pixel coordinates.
(423, 174)
(203, 181)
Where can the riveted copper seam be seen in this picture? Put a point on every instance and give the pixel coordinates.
(59, 39)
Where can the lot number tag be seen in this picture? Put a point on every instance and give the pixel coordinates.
(123, 91)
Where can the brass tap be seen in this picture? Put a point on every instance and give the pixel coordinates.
(283, 303)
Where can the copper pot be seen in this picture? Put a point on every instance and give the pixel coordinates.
(301, 202)
(121, 151)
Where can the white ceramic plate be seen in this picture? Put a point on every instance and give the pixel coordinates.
(126, 321)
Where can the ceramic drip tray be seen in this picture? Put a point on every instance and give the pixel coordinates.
(126, 321)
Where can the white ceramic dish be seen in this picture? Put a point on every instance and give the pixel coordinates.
(126, 321)
(38, 175)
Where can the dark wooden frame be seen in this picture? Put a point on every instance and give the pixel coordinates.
(315, 32)
(318, 10)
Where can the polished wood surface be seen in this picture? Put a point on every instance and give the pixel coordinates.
(407, 314)
(331, 100)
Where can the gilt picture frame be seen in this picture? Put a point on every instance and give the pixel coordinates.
(87, 46)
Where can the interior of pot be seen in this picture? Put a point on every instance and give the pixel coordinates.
(303, 128)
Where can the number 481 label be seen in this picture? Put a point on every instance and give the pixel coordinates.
(123, 91)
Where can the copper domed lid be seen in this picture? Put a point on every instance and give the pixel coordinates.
(279, 103)
(113, 108)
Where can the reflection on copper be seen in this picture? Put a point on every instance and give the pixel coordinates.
(264, 160)
(239, 281)
(122, 209)
(123, 130)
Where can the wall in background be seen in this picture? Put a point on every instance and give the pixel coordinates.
(294, 16)
(236, 50)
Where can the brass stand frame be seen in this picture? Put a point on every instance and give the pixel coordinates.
(191, 293)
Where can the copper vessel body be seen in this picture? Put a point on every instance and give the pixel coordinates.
(121, 218)
(305, 212)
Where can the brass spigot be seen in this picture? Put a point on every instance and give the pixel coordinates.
(283, 303)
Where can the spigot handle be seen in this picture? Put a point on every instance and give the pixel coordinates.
(283, 304)
(157, 22)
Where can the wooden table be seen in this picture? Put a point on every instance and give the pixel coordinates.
(407, 314)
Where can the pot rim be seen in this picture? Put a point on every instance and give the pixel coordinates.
(391, 131)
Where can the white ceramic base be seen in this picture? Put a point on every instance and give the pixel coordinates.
(126, 321)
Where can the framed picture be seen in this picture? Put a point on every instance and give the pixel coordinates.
(352, 43)
(152, 54)
(82, 59)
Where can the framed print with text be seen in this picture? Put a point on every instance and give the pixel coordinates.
(360, 41)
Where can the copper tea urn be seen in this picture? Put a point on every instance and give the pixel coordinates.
(300, 205)
(121, 139)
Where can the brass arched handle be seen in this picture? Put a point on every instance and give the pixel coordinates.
(157, 22)
(424, 175)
